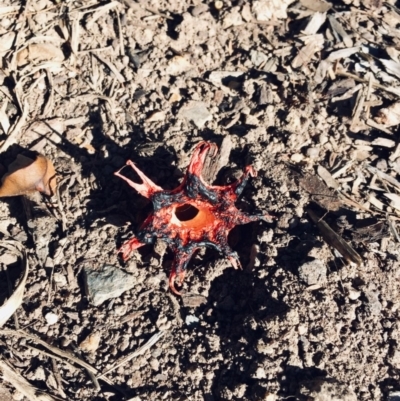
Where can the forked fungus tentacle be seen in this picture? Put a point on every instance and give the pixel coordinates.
(192, 215)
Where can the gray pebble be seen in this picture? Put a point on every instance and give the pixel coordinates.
(313, 272)
(106, 282)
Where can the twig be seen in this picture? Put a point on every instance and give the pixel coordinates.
(134, 354)
(367, 81)
(335, 240)
(55, 350)
(58, 377)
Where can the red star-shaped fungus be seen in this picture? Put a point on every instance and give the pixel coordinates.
(215, 214)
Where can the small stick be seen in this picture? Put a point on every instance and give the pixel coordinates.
(55, 350)
(134, 354)
(58, 377)
(335, 240)
(358, 79)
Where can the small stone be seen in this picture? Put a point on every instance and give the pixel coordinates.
(120, 310)
(296, 158)
(313, 272)
(51, 318)
(313, 153)
(191, 320)
(218, 4)
(40, 374)
(374, 304)
(60, 279)
(17, 396)
(232, 19)
(154, 364)
(91, 342)
(258, 58)
(302, 329)
(381, 164)
(197, 113)
(178, 65)
(246, 13)
(106, 282)
(394, 359)
(260, 373)
(175, 97)
(353, 294)
(161, 377)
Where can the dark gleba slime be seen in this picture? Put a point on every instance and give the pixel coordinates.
(215, 214)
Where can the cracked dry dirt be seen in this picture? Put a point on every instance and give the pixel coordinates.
(301, 89)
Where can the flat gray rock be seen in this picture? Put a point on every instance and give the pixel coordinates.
(106, 282)
(196, 112)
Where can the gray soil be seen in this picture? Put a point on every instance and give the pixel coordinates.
(147, 81)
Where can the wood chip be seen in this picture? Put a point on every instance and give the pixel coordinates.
(337, 27)
(378, 126)
(391, 66)
(376, 202)
(327, 177)
(395, 200)
(315, 23)
(384, 142)
(343, 53)
(314, 44)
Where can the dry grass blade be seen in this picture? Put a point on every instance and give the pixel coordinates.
(374, 84)
(134, 354)
(334, 240)
(22, 385)
(54, 350)
(15, 300)
(26, 175)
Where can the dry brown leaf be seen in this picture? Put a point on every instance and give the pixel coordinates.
(15, 300)
(39, 52)
(27, 175)
(91, 342)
